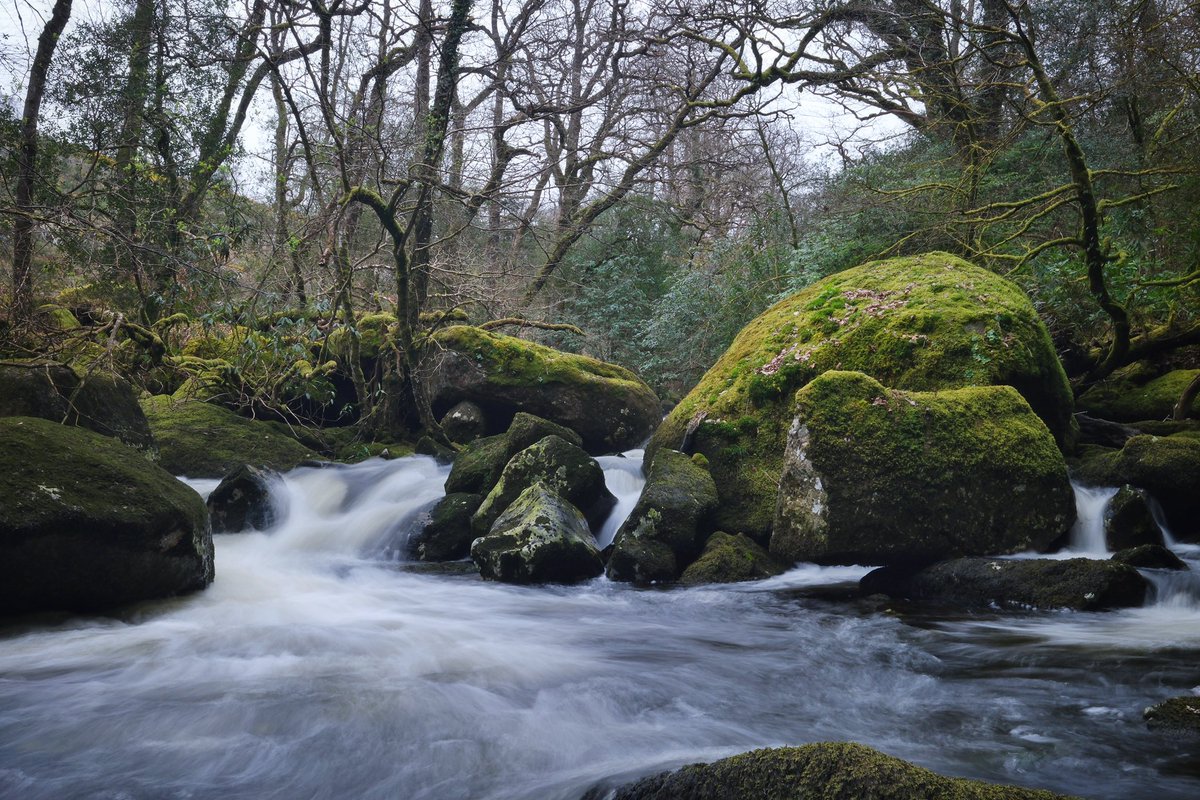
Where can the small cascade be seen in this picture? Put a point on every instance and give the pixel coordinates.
(1173, 589)
(1087, 535)
(623, 476)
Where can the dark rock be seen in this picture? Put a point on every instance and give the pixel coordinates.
(879, 476)
(1094, 465)
(558, 464)
(465, 422)
(980, 583)
(97, 401)
(1150, 556)
(610, 407)
(478, 466)
(428, 446)
(822, 771)
(1179, 714)
(1103, 432)
(1128, 521)
(540, 538)
(242, 501)
(86, 524)
(728, 559)
(1168, 467)
(446, 535)
(670, 522)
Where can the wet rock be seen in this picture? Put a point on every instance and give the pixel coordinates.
(242, 501)
(610, 407)
(729, 559)
(558, 464)
(1128, 521)
(464, 422)
(920, 323)
(1178, 714)
(86, 524)
(1080, 584)
(880, 476)
(97, 401)
(1150, 556)
(826, 770)
(1103, 432)
(1168, 468)
(478, 466)
(668, 526)
(540, 538)
(446, 534)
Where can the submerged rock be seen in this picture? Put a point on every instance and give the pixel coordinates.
(86, 524)
(97, 401)
(202, 440)
(540, 538)
(826, 770)
(479, 465)
(922, 323)
(447, 535)
(1128, 521)
(1081, 584)
(1179, 714)
(610, 407)
(1150, 556)
(1136, 393)
(242, 500)
(558, 464)
(728, 559)
(879, 476)
(669, 524)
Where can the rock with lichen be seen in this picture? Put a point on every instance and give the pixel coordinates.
(729, 559)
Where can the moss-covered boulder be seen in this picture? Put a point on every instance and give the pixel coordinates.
(1177, 715)
(880, 476)
(446, 533)
(202, 440)
(1150, 556)
(729, 559)
(668, 526)
(822, 771)
(610, 407)
(85, 524)
(540, 538)
(1138, 394)
(98, 401)
(1095, 465)
(558, 464)
(1168, 467)
(1082, 584)
(478, 466)
(242, 500)
(1128, 522)
(922, 323)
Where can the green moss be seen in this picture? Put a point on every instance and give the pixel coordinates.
(920, 323)
(1129, 397)
(824, 771)
(374, 336)
(58, 317)
(202, 440)
(728, 559)
(1176, 714)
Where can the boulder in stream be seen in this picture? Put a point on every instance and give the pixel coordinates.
(1168, 468)
(880, 476)
(920, 323)
(446, 533)
(242, 500)
(86, 524)
(1150, 556)
(540, 538)
(1080, 584)
(478, 466)
(825, 770)
(1177, 715)
(729, 559)
(1128, 521)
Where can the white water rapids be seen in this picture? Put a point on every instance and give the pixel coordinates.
(316, 666)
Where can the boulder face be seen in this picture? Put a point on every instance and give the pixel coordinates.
(668, 526)
(97, 401)
(922, 323)
(478, 466)
(540, 538)
(880, 476)
(610, 407)
(1168, 468)
(728, 559)
(1128, 522)
(1177, 715)
(242, 501)
(1150, 556)
(86, 524)
(826, 770)
(202, 440)
(1082, 584)
(464, 423)
(1136, 394)
(446, 535)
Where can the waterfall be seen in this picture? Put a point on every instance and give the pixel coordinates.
(623, 476)
(1087, 534)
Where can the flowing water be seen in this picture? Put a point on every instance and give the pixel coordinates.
(316, 666)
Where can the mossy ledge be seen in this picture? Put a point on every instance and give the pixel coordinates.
(822, 771)
(920, 323)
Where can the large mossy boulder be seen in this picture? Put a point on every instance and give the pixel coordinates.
(86, 524)
(822, 771)
(478, 466)
(562, 466)
(98, 401)
(729, 559)
(668, 526)
(922, 323)
(881, 476)
(610, 407)
(203, 440)
(1081, 584)
(540, 538)
(1168, 468)
(1137, 394)
(445, 534)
